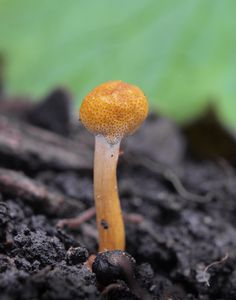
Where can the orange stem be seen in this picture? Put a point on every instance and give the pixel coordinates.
(108, 211)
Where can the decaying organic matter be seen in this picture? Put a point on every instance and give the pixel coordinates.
(174, 241)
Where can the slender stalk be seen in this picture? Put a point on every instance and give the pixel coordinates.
(108, 211)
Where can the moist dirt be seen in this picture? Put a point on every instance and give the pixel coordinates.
(180, 221)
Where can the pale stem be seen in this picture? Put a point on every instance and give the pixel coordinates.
(108, 211)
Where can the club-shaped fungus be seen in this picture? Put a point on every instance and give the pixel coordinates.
(111, 111)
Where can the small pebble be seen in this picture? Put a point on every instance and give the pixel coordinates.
(76, 255)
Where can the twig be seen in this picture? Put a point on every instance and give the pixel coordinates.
(76, 222)
(36, 194)
(170, 176)
(39, 148)
(214, 264)
(204, 276)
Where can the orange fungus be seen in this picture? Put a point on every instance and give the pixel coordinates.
(114, 109)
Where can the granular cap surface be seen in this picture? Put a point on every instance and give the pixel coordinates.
(114, 109)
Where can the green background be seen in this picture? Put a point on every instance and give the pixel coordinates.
(182, 53)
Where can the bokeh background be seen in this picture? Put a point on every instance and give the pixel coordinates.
(181, 53)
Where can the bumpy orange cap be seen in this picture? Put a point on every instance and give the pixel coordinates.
(114, 109)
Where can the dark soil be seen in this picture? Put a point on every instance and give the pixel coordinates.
(184, 241)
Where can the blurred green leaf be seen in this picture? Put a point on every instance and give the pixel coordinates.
(182, 53)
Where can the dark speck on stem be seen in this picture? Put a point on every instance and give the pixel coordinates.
(104, 224)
